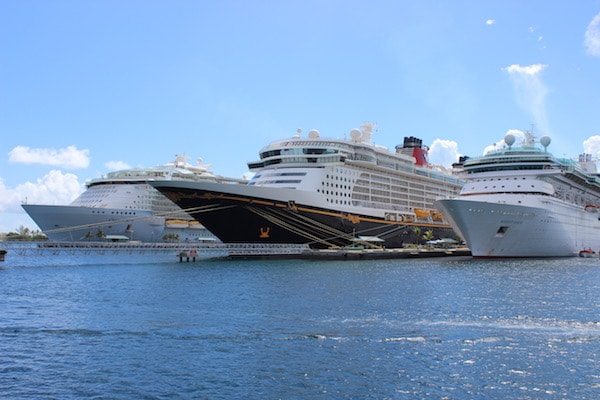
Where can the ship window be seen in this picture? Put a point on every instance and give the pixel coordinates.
(501, 231)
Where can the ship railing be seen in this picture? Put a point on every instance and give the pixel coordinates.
(230, 248)
(237, 249)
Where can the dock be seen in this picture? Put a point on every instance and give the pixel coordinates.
(85, 253)
(355, 254)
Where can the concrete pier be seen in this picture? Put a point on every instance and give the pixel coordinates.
(361, 254)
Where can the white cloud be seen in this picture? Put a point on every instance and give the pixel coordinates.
(531, 92)
(591, 145)
(490, 22)
(592, 37)
(443, 152)
(116, 165)
(69, 157)
(532, 69)
(500, 144)
(55, 187)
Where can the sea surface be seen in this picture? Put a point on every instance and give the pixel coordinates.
(452, 328)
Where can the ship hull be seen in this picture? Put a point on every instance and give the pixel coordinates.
(509, 227)
(76, 223)
(244, 214)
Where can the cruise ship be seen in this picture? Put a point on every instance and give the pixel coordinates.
(325, 193)
(123, 206)
(524, 202)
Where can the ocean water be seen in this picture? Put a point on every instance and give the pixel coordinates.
(393, 329)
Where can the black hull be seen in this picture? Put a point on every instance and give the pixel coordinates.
(240, 219)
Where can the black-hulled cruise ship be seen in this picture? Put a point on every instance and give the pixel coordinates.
(325, 193)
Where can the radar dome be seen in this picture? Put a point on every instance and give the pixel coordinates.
(355, 134)
(545, 141)
(509, 139)
(313, 134)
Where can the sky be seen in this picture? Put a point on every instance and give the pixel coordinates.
(87, 87)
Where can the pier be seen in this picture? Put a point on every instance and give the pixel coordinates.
(354, 254)
(86, 253)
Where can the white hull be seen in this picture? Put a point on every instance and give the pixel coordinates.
(512, 225)
(75, 223)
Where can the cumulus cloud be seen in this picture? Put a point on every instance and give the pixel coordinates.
(531, 70)
(490, 22)
(116, 165)
(531, 92)
(592, 37)
(69, 157)
(517, 133)
(55, 187)
(443, 152)
(591, 145)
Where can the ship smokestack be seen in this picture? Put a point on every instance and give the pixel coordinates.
(413, 146)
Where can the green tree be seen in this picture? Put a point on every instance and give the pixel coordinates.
(24, 231)
(428, 235)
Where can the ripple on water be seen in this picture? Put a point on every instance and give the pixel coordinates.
(268, 329)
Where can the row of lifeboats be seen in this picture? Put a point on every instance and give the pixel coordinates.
(183, 224)
(426, 214)
(419, 215)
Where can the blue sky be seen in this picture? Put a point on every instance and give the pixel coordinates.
(86, 83)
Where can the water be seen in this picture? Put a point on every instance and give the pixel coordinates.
(397, 329)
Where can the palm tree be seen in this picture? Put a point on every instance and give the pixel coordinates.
(428, 235)
(23, 231)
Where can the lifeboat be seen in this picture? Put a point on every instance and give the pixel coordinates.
(422, 214)
(592, 207)
(195, 225)
(176, 223)
(587, 253)
(437, 216)
(408, 218)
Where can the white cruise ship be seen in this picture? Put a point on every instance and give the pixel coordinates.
(325, 193)
(123, 205)
(523, 202)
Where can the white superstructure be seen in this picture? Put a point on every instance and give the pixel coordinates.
(524, 202)
(357, 176)
(123, 204)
